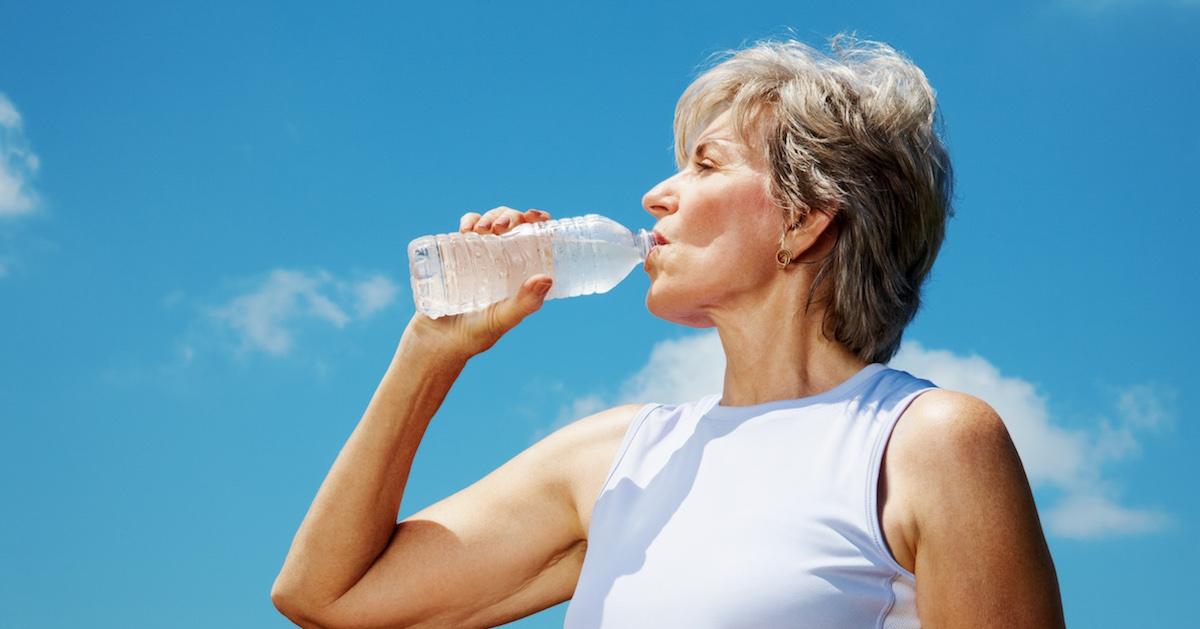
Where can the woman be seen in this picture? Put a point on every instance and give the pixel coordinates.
(818, 489)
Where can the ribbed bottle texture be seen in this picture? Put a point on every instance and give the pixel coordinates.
(456, 272)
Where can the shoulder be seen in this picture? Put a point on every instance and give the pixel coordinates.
(949, 419)
(596, 428)
(969, 494)
(976, 526)
(582, 451)
(925, 453)
(947, 441)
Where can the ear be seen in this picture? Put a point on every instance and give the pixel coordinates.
(814, 238)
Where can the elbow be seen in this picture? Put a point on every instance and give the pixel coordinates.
(297, 608)
(288, 605)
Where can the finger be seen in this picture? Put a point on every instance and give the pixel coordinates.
(467, 222)
(485, 223)
(533, 216)
(507, 220)
(529, 298)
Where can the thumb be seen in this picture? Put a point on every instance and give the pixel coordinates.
(528, 299)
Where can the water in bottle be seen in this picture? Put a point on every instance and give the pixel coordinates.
(457, 272)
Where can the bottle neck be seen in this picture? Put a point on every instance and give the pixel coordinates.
(645, 241)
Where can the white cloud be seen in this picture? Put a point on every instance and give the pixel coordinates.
(1070, 460)
(1093, 516)
(579, 407)
(268, 316)
(18, 164)
(9, 116)
(1146, 407)
(1051, 454)
(678, 370)
(374, 294)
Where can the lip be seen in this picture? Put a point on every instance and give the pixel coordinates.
(646, 263)
(660, 239)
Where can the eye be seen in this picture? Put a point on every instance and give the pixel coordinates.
(704, 164)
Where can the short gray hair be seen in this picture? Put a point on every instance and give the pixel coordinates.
(854, 133)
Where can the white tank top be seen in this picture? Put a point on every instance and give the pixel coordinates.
(750, 516)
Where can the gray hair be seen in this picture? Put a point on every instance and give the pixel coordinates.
(854, 133)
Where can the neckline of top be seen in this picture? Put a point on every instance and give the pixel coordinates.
(717, 411)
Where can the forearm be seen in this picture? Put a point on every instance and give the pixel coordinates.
(354, 513)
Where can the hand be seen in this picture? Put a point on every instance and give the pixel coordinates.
(470, 333)
(499, 220)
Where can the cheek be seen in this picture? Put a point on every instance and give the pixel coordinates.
(687, 289)
(690, 277)
(741, 251)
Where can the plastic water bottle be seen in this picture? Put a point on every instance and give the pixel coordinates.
(457, 272)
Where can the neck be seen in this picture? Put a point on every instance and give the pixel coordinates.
(770, 357)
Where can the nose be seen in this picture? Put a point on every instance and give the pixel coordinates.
(662, 199)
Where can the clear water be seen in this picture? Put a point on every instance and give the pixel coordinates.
(454, 273)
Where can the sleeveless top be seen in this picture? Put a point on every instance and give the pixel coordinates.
(750, 516)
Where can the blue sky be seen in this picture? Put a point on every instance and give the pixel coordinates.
(203, 215)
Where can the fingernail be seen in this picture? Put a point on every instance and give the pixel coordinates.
(484, 224)
(502, 223)
(544, 287)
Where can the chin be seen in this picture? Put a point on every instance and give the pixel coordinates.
(675, 311)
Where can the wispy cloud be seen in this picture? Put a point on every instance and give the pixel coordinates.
(678, 370)
(18, 164)
(268, 315)
(264, 314)
(1070, 460)
(373, 294)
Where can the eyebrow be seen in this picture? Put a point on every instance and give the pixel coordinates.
(705, 145)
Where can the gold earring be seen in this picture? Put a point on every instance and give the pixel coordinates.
(783, 257)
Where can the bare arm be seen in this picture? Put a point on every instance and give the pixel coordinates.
(507, 546)
(349, 536)
(354, 513)
(981, 557)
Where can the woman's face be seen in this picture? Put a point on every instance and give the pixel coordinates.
(722, 231)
